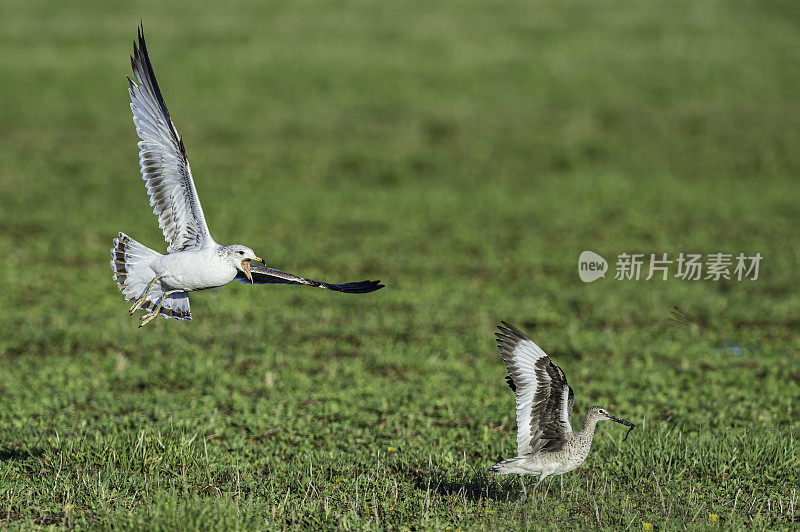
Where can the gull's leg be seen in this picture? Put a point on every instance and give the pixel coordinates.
(147, 318)
(524, 496)
(138, 303)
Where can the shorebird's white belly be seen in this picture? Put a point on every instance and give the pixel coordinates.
(193, 270)
(561, 462)
(545, 464)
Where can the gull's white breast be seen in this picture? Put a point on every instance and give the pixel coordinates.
(194, 270)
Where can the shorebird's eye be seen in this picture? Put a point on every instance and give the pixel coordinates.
(241, 252)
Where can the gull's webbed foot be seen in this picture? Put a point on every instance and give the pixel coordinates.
(136, 305)
(139, 302)
(147, 318)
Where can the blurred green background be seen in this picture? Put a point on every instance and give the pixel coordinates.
(465, 153)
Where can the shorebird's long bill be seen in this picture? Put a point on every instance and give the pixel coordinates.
(622, 421)
(628, 424)
(246, 268)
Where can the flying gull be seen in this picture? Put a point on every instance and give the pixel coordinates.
(546, 444)
(194, 261)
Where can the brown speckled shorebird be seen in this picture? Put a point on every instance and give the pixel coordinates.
(546, 444)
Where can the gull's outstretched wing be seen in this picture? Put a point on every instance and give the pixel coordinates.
(544, 400)
(162, 157)
(263, 275)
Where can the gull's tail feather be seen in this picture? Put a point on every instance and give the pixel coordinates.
(176, 306)
(131, 264)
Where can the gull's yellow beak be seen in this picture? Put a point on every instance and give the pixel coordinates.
(246, 267)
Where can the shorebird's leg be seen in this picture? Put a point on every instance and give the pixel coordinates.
(533, 494)
(524, 496)
(138, 303)
(148, 317)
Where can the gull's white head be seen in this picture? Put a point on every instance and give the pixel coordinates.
(240, 256)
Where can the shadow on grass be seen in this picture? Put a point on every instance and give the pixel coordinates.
(16, 453)
(474, 488)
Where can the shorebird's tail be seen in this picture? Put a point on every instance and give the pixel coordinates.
(131, 264)
(508, 467)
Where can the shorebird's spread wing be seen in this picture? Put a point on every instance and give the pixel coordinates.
(544, 400)
(263, 275)
(162, 157)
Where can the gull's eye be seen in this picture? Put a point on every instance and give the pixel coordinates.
(241, 252)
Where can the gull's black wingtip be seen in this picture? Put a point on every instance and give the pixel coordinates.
(140, 35)
(507, 331)
(139, 47)
(361, 287)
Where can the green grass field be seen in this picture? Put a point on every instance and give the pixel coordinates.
(465, 154)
